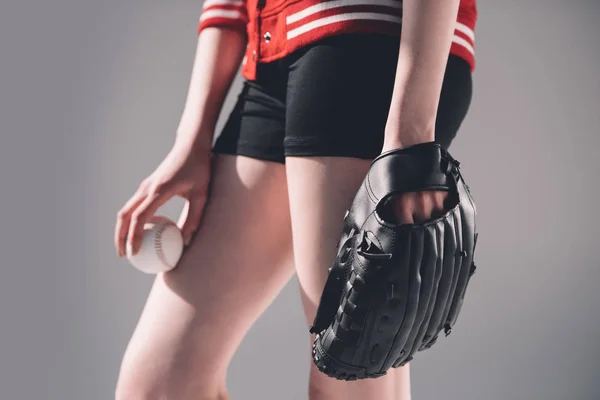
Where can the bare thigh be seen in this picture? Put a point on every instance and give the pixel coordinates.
(321, 189)
(196, 315)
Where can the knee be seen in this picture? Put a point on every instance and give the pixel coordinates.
(129, 393)
(322, 387)
(315, 392)
(131, 387)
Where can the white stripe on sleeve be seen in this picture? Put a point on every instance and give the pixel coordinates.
(466, 30)
(464, 43)
(211, 3)
(231, 14)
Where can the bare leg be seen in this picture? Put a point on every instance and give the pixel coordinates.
(402, 380)
(197, 315)
(321, 189)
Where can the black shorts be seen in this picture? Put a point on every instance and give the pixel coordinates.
(332, 98)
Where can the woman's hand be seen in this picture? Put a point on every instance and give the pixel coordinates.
(185, 172)
(413, 207)
(417, 207)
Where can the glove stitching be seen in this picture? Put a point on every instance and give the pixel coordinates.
(452, 294)
(410, 282)
(369, 190)
(369, 332)
(366, 219)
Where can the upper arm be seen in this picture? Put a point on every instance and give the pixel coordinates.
(223, 13)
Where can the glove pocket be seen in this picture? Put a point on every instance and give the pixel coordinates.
(333, 290)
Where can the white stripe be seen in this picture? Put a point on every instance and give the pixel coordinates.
(466, 30)
(340, 18)
(328, 5)
(210, 3)
(464, 43)
(232, 14)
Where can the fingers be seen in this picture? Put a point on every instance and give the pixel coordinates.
(403, 210)
(422, 206)
(124, 218)
(439, 201)
(416, 207)
(190, 217)
(141, 215)
(134, 214)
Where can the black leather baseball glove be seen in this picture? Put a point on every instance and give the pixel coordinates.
(393, 289)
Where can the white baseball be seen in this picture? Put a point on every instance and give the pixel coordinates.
(161, 248)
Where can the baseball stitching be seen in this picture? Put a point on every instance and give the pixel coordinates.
(158, 244)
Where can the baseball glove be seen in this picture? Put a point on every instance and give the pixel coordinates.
(393, 288)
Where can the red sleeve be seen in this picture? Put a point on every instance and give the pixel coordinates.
(223, 13)
(463, 42)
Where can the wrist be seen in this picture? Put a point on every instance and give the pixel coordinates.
(196, 139)
(195, 133)
(397, 138)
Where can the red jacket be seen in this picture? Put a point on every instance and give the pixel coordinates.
(275, 28)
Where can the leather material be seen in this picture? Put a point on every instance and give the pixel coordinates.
(392, 289)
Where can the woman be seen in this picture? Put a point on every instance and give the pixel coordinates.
(329, 86)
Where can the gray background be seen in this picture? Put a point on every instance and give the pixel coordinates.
(90, 95)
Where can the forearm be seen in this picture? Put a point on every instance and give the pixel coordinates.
(427, 31)
(218, 56)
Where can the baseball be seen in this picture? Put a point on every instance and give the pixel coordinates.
(161, 248)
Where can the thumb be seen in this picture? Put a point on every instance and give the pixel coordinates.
(190, 218)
